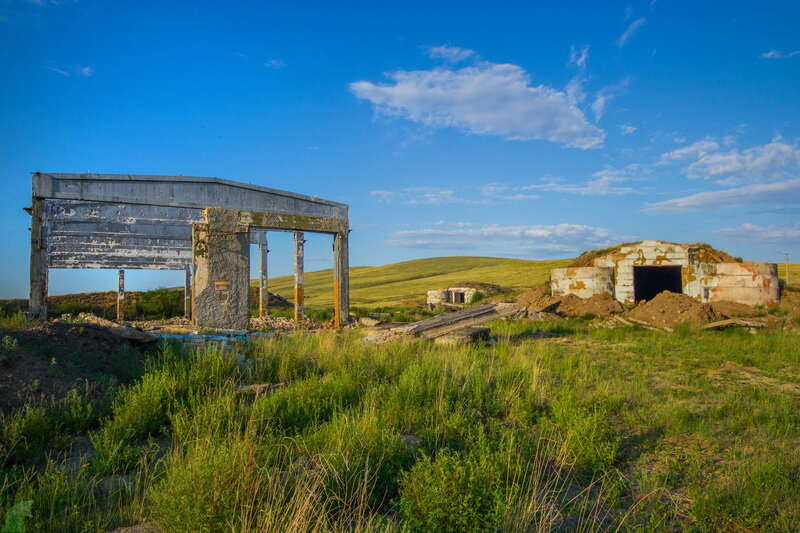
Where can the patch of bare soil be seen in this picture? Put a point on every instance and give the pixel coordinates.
(533, 299)
(50, 358)
(733, 309)
(668, 309)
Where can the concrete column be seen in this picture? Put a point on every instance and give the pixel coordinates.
(341, 280)
(37, 303)
(120, 295)
(299, 241)
(221, 255)
(187, 293)
(263, 293)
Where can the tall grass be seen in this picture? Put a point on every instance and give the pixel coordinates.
(596, 430)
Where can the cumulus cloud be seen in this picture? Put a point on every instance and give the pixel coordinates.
(483, 98)
(763, 234)
(518, 240)
(708, 159)
(777, 54)
(453, 54)
(632, 28)
(787, 191)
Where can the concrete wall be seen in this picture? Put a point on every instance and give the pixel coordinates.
(749, 283)
(438, 297)
(582, 281)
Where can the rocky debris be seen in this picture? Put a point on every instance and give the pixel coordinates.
(150, 527)
(259, 388)
(411, 441)
(668, 309)
(465, 336)
(282, 323)
(124, 332)
(458, 323)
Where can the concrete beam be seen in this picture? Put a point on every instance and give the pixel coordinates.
(341, 280)
(299, 242)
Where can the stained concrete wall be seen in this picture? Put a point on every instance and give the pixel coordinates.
(221, 271)
(438, 297)
(582, 281)
(749, 283)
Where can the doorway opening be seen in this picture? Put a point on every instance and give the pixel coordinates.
(648, 281)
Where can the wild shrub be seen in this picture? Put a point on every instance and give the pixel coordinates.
(12, 320)
(28, 435)
(453, 493)
(76, 412)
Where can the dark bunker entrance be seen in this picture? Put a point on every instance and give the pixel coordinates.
(648, 281)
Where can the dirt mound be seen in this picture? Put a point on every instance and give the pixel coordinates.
(533, 299)
(599, 305)
(733, 309)
(488, 288)
(669, 309)
(538, 300)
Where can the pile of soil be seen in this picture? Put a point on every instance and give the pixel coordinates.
(538, 300)
(599, 305)
(489, 288)
(734, 309)
(668, 309)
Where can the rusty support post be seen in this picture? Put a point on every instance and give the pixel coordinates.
(37, 304)
(187, 293)
(341, 280)
(263, 293)
(120, 295)
(299, 241)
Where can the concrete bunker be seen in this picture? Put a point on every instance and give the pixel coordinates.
(633, 272)
(461, 294)
(202, 226)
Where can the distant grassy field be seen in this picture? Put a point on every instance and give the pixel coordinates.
(392, 284)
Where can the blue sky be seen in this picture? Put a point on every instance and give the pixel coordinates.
(531, 130)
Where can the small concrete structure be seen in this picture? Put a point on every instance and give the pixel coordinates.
(460, 295)
(123, 221)
(639, 271)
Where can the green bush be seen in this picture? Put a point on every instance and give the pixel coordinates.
(160, 303)
(453, 493)
(28, 435)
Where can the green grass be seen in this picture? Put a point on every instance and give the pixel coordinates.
(391, 285)
(599, 429)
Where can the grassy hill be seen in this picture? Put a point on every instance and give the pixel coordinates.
(392, 284)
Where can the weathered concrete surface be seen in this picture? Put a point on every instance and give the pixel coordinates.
(221, 271)
(582, 281)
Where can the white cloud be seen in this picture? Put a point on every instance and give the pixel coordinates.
(275, 64)
(780, 193)
(706, 159)
(777, 54)
(423, 196)
(528, 239)
(626, 129)
(74, 70)
(603, 183)
(606, 94)
(763, 234)
(578, 56)
(485, 99)
(632, 28)
(453, 54)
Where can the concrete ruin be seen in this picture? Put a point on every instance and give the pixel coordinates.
(639, 271)
(202, 226)
(460, 295)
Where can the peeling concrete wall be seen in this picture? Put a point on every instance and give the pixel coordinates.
(438, 297)
(222, 265)
(749, 283)
(582, 281)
